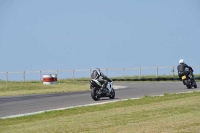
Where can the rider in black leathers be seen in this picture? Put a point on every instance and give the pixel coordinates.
(98, 75)
(181, 69)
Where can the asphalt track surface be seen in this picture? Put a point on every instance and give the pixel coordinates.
(32, 104)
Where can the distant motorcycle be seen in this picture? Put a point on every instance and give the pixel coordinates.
(188, 80)
(95, 86)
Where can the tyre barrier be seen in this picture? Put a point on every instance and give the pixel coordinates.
(155, 79)
(151, 79)
(197, 78)
(49, 79)
(54, 78)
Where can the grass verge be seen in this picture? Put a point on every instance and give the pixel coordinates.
(169, 113)
(25, 88)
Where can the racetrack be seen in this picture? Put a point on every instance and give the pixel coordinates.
(25, 105)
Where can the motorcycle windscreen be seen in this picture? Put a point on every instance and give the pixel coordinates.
(94, 74)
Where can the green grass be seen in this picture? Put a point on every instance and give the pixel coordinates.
(171, 113)
(24, 88)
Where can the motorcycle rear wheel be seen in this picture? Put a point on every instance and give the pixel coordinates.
(195, 85)
(187, 83)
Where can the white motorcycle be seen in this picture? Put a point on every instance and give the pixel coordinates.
(96, 94)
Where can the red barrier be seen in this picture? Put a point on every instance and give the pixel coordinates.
(50, 79)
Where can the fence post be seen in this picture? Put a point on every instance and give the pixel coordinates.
(57, 74)
(139, 72)
(106, 72)
(90, 73)
(123, 72)
(40, 75)
(157, 72)
(6, 76)
(73, 74)
(23, 76)
(173, 72)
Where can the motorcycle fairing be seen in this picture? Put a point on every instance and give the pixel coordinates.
(109, 86)
(95, 83)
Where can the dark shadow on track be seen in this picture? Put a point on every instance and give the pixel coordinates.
(105, 99)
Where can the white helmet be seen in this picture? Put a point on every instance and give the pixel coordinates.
(181, 61)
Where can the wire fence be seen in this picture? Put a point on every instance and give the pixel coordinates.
(85, 73)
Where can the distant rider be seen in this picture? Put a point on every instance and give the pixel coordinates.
(98, 75)
(181, 69)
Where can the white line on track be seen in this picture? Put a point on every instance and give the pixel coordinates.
(119, 87)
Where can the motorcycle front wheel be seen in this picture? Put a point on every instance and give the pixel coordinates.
(112, 94)
(94, 94)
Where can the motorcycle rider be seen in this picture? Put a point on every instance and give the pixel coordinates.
(98, 75)
(181, 69)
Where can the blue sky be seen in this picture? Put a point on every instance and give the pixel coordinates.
(82, 34)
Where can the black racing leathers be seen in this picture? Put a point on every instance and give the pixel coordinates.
(181, 70)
